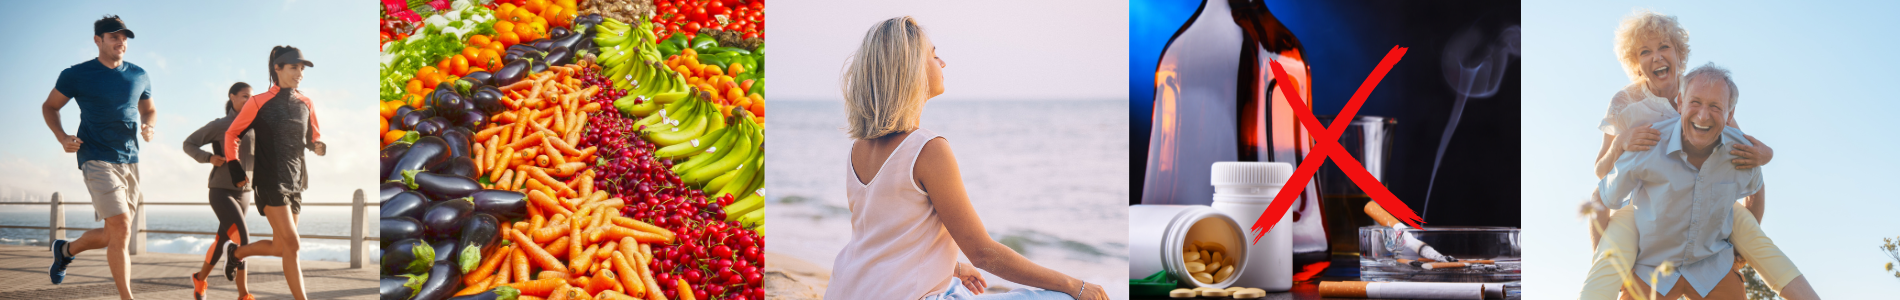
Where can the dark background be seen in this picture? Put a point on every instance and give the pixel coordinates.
(1344, 40)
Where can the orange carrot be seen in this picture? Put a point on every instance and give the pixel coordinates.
(558, 247)
(477, 288)
(501, 276)
(517, 85)
(606, 250)
(630, 281)
(563, 292)
(533, 139)
(612, 295)
(631, 248)
(488, 265)
(615, 232)
(527, 297)
(585, 258)
(547, 203)
(554, 156)
(685, 290)
(535, 220)
(643, 226)
(500, 166)
(565, 147)
(521, 265)
(653, 286)
(485, 134)
(553, 274)
(603, 282)
(549, 181)
(540, 257)
(548, 234)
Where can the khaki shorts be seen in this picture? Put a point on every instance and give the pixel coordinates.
(114, 187)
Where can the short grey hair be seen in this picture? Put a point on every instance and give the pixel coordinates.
(1710, 69)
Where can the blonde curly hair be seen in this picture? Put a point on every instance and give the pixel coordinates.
(885, 83)
(1642, 25)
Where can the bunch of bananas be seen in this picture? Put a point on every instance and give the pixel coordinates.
(719, 159)
(633, 60)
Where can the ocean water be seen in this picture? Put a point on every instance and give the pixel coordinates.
(1048, 178)
(313, 220)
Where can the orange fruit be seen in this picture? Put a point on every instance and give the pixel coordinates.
(553, 15)
(505, 7)
(567, 5)
(735, 69)
(735, 94)
(491, 58)
(497, 46)
(427, 78)
(444, 67)
(711, 70)
(460, 64)
(536, 5)
(478, 40)
(508, 38)
(523, 15)
(413, 86)
(503, 26)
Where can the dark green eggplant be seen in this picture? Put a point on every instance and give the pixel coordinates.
(499, 293)
(513, 72)
(478, 236)
(427, 153)
(445, 219)
(405, 204)
(402, 287)
(399, 228)
(460, 166)
(488, 99)
(440, 187)
(411, 256)
(507, 205)
(443, 277)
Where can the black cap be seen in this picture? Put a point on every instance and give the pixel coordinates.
(110, 24)
(289, 55)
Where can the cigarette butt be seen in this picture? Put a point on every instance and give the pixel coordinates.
(1426, 259)
(1343, 289)
(1380, 215)
(1446, 265)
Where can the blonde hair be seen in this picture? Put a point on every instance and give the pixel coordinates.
(885, 83)
(1642, 25)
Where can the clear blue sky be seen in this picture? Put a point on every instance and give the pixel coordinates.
(193, 52)
(1816, 82)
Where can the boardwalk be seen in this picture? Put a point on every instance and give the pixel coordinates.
(166, 276)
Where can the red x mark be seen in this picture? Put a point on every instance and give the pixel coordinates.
(1328, 146)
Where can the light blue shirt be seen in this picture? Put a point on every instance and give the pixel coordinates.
(1684, 212)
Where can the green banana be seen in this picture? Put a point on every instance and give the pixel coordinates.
(754, 218)
(692, 147)
(704, 173)
(694, 127)
(719, 149)
(744, 205)
(737, 184)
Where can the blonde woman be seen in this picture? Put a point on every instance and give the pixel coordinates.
(910, 216)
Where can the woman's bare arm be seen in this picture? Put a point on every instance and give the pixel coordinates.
(1606, 156)
(936, 171)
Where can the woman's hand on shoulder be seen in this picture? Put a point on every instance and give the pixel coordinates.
(1747, 157)
(1637, 139)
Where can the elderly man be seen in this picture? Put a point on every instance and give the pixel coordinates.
(1680, 227)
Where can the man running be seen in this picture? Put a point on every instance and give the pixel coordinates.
(106, 89)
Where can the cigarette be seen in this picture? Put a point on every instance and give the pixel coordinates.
(1445, 265)
(1385, 219)
(1413, 290)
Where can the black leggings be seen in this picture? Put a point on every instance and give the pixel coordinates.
(227, 204)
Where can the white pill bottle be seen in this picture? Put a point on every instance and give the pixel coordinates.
(1159, 234)
(1242, 191)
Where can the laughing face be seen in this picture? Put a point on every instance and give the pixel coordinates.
(1659, 61)
(1705, 111)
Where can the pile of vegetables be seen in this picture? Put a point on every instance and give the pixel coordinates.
(515, 166)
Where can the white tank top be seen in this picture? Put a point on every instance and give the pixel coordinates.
(898, 249)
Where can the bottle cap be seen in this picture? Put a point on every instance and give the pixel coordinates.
(1246, 173)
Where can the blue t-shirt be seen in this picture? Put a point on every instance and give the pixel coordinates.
(108, 108)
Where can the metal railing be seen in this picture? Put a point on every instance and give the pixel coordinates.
(359, 228)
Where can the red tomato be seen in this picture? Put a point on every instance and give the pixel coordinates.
(699, 13)
(736, 26)
(692, 27)
(750, 35)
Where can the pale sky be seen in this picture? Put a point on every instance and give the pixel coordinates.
(1005, 50)
(193, 53)
(1815, 80)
